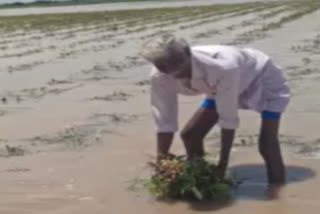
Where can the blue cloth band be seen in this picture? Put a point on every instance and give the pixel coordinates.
(208, 103)
(270, 115)
(211, 104)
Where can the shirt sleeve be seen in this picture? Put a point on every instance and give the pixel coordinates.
(164, 102)
(227, 99)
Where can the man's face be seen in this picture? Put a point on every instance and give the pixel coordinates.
(178, 70)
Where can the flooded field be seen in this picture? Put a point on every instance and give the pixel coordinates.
(74, 112)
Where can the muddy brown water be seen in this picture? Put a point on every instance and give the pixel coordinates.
(81, 152)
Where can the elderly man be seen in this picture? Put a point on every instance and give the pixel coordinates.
(231, 78)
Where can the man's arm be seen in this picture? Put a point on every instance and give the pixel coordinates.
(227, 107)
(227, 136)
(164, 141)
(164, 105)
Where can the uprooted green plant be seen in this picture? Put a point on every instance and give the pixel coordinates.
(191, 180)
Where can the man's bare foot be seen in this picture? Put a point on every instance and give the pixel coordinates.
(273, 191)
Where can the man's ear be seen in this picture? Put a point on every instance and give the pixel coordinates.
(160, 66)
(188, 50)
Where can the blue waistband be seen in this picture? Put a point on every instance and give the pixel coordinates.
(208, 103)
(211, 104)
(270, 115)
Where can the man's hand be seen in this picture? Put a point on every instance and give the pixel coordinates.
(221, 171)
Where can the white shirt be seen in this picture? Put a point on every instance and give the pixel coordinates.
(235, 78)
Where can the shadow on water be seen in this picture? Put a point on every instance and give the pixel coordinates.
(210, 206)
(253, 181)
(199, 205)
(252, 186)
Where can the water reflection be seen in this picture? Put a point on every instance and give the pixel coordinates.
(253, 181)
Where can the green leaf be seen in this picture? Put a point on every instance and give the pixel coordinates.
(197, 193)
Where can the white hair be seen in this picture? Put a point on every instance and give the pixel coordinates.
(166, 48)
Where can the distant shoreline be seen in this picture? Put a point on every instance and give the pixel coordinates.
(63, 3)
(39, 4)
(108, 5)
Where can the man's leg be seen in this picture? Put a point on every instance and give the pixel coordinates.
(269, 147)
(198, 127)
